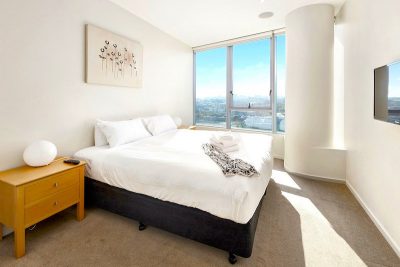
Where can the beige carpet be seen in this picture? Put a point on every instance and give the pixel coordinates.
(302, 223)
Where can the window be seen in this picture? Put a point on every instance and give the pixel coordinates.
(251, 74)
(252, 119)
(242, 86)
(280, 82)
(211, 87)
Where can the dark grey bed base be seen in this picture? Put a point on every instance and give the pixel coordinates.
(192, 223)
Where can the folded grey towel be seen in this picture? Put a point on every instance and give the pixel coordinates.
(230, 167)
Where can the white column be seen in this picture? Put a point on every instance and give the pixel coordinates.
(309, 94)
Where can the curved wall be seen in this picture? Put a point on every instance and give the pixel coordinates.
(309, 94)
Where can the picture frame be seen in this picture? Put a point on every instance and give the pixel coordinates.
(112, 59)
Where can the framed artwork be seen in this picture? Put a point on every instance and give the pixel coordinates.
(112, 59)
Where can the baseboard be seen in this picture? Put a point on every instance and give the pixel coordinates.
(278, 156)
(7, 231)
(375, 220)
(318, 178)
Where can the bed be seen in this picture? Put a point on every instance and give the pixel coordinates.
(167, 181)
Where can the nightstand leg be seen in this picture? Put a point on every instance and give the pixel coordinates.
(19, 242)
(19, 227)
(1, 232)
(80, 207)
(80, 211)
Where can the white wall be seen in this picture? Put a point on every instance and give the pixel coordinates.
(370, 35)
(278, 146)
(310, 146)
(42, 90)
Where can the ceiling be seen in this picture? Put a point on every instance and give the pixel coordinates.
(200, 22)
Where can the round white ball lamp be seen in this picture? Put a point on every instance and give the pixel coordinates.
(178, 121)
(40, 153)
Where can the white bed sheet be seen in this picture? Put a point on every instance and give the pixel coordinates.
(173, 167)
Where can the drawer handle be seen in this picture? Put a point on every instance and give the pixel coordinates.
(56, 203)
(56, 184)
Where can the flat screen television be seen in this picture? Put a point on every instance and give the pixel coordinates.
(387, 93)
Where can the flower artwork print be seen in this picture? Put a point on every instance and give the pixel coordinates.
(119, 61)
(112, 59)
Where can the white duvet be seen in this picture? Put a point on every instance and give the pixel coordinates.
(173, 167)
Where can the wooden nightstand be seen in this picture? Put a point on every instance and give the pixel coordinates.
(29, 195)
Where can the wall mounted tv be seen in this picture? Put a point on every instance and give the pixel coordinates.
(387, 93)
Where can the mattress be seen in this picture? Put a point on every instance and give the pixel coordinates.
(173, 167)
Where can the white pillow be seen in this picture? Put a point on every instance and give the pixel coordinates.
(159, 124)
(99, 138)
(122, 132)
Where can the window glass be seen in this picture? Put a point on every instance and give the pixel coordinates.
(211, 87)
(251, 74)
(253, 119)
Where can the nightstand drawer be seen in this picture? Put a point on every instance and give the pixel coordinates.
(51, 205)
(47, 186)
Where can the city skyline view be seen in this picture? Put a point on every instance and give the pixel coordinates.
(250, 85)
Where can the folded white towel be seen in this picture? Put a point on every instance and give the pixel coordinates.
(224, 143)
(225, 149)
(226, 137)
(230, 149)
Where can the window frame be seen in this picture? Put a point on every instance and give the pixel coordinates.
(275, 85)
(229, 81)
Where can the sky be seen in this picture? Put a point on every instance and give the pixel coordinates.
(251, 62)
(394, 80)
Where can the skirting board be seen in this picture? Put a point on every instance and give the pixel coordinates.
(318, 178)
(7, 231)
(375, 220)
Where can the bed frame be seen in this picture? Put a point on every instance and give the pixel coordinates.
(192, 223)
